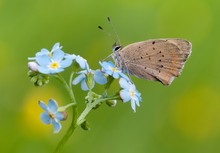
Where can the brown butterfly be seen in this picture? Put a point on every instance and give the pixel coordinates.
(160, 59)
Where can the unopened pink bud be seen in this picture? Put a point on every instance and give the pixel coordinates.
(33, 66)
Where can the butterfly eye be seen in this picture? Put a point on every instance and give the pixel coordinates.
(116, 48)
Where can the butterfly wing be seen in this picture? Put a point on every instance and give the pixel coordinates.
(161, 59)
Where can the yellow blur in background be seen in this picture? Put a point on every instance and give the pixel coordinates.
(181, 118)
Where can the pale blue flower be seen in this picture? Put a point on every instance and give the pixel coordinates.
(54, 63)
(129, 93)
(110, 69)
(80, 60)
(51, 115)
(98, 77)
(44, 51)
(51, 62)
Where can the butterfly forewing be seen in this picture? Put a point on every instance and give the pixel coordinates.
(161, 59)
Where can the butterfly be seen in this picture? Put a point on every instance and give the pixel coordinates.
(159, 59)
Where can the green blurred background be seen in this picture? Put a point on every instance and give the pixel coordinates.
(181, 118)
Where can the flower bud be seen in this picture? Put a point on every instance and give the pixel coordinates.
(37, 78)
(33, 66)
(34, 79)
(111, 103)
(85, 125)
(90, 80)
(65, 114)
(39, 83)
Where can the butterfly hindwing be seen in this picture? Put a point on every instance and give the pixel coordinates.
(161, 59)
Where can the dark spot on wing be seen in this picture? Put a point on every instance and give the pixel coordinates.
(183, 60)
(162, 55)
(153, 48)
(141, 57)
(159, 60)
(149, 58)
(146, 53)
(153, 42)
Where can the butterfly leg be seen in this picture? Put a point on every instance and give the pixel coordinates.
(107, 58)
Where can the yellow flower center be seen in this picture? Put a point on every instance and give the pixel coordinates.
(52, 115)
(54, 65)
(132, 94)
(114, 69)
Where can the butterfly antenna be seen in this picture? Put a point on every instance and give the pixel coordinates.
(113, 27)
(109, 34)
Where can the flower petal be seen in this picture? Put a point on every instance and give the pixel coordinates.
(137, 101)
(43, 60)
(115, 75)
(71, 56)
(125, 95)
(66, 63)
(124, 84)
(43, 105)
(43, 70)
(99, 77)
(43, 52)
(133, 105)
(103, 64)
(57, 126)
(82, 62)
(108, 64)
(78, 79)
(84, 85)
(56, 47)
(107, 71)
(31, 58)
(59, 116)
(58, 55)
(54, 71)
(52, 106)
(45, 118)
(138, 95)
(124, 76)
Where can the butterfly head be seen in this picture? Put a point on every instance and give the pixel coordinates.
(116, 47)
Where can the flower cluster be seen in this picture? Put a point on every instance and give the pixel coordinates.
(96, 76)
(128, 92)
(50, 63)
(54, 61)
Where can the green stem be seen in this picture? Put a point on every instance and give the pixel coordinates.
(67, 87)
(68, 133)
(107, 86)
(89, 107)
(71, 79)
(74, 112)
(63, 108)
